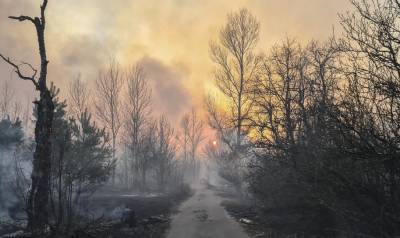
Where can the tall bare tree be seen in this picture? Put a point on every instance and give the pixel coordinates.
(236, 66)
(139, 108)
(196, 136)
(192, 134)
(281, 93)
(185, 136)
(39, 191)
(108, 103)
(164, 151)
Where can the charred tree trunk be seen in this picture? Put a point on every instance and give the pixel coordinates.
(40, 188)
(39, 193)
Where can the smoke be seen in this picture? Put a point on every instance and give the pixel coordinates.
(15, 165)
(169, 95)
(82, 52)
(82, 35)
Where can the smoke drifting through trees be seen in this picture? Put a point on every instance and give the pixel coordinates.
(74, 155)
(306, 133)
(81, 153)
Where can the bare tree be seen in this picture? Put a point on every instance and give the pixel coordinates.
(185, 136)
(369, 113)
(27, 113)
(7, 95)
(324, 77)
(78, 94)
(164, 152)
(192, 129)
(281, 94)
(9, 107)
(108, 102)
(39, 191)
(138, 116)
(147, 151)
(219, 120)
(196, 130)
(236, 67)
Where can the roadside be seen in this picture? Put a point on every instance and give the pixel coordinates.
(246, 214)
(250, 219)
(278, 223)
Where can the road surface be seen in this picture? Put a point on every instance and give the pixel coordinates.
(202, 216)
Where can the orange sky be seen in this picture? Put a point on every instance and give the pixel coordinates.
(170, 37)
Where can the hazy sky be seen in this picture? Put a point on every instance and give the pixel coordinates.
(169, 37)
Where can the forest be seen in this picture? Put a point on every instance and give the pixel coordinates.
(298, 140)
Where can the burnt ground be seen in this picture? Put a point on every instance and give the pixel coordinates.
(135, 216)
(120, 214)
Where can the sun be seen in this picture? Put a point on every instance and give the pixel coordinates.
(214, 143)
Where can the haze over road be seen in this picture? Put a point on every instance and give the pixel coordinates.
(202, 216)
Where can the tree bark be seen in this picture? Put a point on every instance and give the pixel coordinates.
(39, 193)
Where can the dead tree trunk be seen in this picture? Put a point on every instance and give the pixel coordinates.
(39, 192)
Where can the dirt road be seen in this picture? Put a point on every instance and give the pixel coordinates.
(202, 216)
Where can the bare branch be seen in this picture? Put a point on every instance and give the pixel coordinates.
(18, 70)
(31, 67)
(22, 18)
